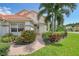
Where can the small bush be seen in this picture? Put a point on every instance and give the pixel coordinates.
(26, 37)
(4, 49)
(8, 34)
(60, 28)
(55, 37)
(8, 38)
(50, 37)
(64, 34)
(18, 40)
(46, 36)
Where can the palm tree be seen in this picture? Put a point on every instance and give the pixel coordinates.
(64, 9)
(55, 12)
(46, 9)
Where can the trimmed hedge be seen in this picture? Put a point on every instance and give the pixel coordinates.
(8, 38)
(26, 37)
(46, 36)
(4, 49)
(49, 37)
(55, 37)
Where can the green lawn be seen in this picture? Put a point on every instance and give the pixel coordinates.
(4, 47)
(66, 47)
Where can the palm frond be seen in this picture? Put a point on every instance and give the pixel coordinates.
(41, 13)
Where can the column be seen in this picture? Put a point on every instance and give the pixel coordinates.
(17, 28)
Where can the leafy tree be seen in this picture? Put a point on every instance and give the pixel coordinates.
(55, 12)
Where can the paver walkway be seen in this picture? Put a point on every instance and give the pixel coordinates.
(27, 49)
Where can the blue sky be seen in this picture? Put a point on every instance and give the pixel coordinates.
(10, 8)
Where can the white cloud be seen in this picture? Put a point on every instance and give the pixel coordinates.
(5, 11)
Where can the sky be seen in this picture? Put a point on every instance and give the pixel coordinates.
(12, 8)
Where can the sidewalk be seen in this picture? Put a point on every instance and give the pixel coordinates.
(27, 49)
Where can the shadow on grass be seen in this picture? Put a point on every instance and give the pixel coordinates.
(57, 44)
(52, 43)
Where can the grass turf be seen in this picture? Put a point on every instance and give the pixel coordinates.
(4, 47)
(66, 47)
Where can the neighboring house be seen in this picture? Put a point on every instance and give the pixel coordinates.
(23, 20)
(69, 28)
(73, 27)
(76, 28)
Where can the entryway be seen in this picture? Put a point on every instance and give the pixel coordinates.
(27, 49)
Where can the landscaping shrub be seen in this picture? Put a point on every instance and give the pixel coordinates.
(0, 39)
(46, 36)
(19, 40)
(60, 28)
(8, 38)
(55, 37)
(49, 37)
(26, 37)
(8, 34)
(4, 49)
(65, 34)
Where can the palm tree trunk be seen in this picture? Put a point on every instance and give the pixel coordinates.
(62, 22)
(55, 23)
(48, 26)
(52, 23)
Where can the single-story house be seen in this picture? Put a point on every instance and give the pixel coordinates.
(73, 27)
(69, 28)
(23, 20)
(76, 28)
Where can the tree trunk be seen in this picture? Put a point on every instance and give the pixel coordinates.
(48, 26)
(52, 23)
